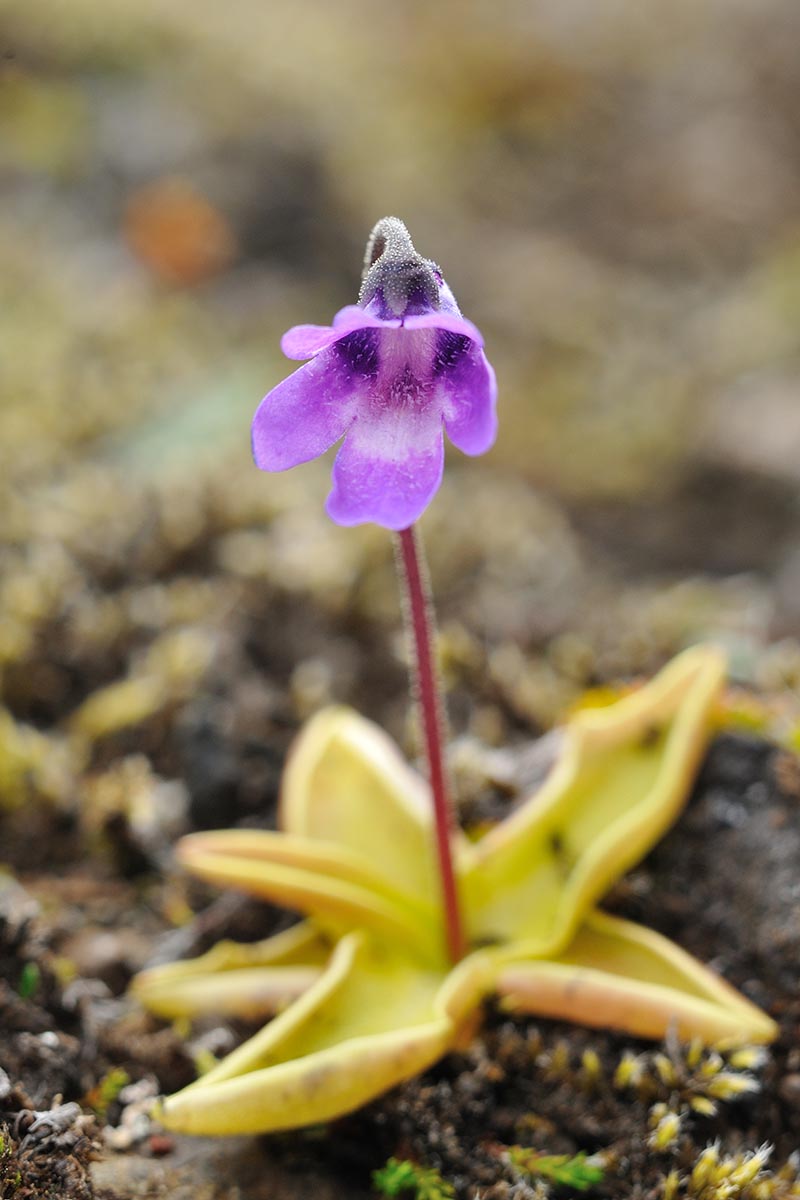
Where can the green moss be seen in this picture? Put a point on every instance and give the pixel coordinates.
(402, 1175)
(577, 1171)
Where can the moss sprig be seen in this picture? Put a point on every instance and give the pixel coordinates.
(740, 1176)
(401, 1175)
(577, 1170)
(693, 1077)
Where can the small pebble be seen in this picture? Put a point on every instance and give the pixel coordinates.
(160, 1144)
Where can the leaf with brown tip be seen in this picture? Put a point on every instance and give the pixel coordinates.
(618, 975)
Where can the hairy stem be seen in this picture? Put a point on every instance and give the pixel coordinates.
(427, 691)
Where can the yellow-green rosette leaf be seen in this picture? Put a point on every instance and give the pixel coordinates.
(622, 778)
(374, 1018)
(618, 975)
(346, 784)
(333, 884)
(248, 980)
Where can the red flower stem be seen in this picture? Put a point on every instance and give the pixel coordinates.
(418, 611)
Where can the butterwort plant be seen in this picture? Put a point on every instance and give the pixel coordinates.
(409, 925)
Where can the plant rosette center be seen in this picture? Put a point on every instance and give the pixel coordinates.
(364, 994)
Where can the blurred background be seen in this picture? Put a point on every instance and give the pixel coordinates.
(612, 192)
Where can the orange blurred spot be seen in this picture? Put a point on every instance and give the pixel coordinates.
(178, 233)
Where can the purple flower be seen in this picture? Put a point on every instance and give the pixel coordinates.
(388, 376)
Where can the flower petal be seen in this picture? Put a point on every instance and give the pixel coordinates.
(305, 341)
(302, 417)
(449, 322)
(374, 1018)
(389, 468)
(469, 389)
(622, 778)
(618, 975)
(354, 317)
(252, 979)
(347, 785)
(328, 882)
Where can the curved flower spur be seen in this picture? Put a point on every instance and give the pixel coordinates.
(387, 376)
(371, 998)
